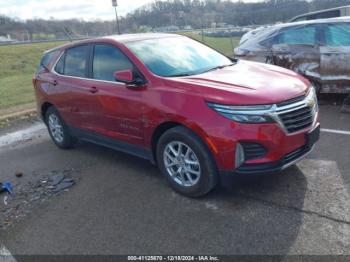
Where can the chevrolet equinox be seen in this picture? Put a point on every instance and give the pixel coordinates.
(200, 116)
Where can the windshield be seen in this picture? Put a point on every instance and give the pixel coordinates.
(177, 56)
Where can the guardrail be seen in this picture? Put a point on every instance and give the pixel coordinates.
(215, 32)
(41, 41)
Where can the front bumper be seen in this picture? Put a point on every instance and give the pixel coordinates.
(276, 166)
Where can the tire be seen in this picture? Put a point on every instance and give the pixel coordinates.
(198, 173)
(58, 130)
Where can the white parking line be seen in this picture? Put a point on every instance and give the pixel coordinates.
(5, 255)
(335, 131)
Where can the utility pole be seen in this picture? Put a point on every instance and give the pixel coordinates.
(115, 4)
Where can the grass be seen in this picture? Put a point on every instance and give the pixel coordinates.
(17, 67)
(19, 62)
(16, 90)
(222, 44)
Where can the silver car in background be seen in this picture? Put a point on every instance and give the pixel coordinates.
(321, 14)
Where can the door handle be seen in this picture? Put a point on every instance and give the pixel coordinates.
(93, 89)
(54, 83)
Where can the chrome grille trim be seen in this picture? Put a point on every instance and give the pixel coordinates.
(279, 111)
(291, 101)
(297, 116)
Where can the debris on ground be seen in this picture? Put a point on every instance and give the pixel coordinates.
(56, 179)
(5, 200)
(60, 181)
(6, 187)
(26, 195)
(18, 174)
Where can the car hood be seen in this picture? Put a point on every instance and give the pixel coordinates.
(246, 83)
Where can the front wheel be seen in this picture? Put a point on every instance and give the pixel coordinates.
(186, 162)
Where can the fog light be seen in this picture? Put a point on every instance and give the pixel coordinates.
(239, 156)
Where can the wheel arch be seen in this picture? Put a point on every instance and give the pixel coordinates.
(44, 107)
(158, 132)
(165, 126)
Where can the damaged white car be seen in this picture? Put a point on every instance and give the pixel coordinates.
(317, 49)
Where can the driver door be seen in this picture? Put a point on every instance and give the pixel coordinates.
(121, 108)
(335, 57)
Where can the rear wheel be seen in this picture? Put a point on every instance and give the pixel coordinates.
(58, 130)
(186, 162)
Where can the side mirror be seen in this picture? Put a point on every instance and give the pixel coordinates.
(128, 77)
(125, 76)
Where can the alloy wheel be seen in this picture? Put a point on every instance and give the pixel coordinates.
(181, 163)
(56, 128)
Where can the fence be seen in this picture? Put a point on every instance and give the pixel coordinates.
(229, 32)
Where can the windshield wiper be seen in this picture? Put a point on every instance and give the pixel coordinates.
(205, 71)
(179, 75)
(217, 67)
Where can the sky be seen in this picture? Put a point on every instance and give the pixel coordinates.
(65, 9)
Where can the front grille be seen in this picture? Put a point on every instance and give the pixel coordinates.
(291, 101)
(253, 150)
(297, 119)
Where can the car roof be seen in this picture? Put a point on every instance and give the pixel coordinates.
(124, 38)
(345, 19)
(138, 37)
(320, 12)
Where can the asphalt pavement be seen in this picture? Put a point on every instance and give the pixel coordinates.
(121, 204)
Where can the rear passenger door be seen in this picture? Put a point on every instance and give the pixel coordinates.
(335, 58)
(298, 49)
(76, 97)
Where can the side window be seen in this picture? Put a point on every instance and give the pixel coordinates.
(60, 65)
(298, 36)
(76, 61)
(108, 59)
(338, 35)
(268, 42)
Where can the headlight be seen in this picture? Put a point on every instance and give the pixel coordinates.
(311, 95)
(312, 98)
(244, 114)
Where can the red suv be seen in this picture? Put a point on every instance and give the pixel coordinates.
(200, 116)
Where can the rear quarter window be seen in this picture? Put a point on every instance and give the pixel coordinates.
(46, 60)
(60, 65)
